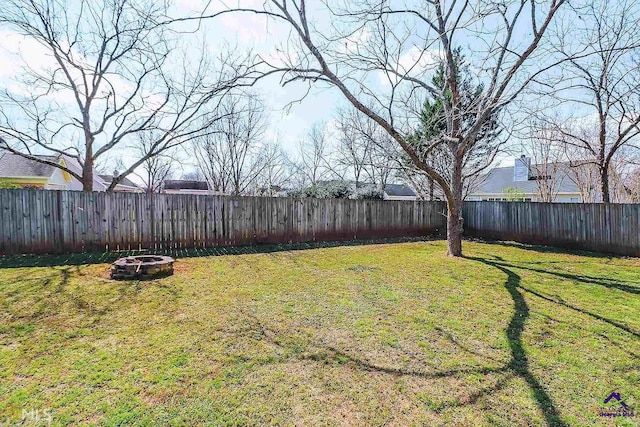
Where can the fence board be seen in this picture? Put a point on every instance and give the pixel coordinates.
(610, 228)
(37, 221)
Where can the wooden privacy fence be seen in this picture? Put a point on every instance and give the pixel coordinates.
(40, 221)
(612, 228)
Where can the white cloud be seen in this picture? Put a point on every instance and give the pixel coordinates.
(249, 28)
(246, 27)
(15, 49)
(353, 41)
(414, 62)
(281, 57)
(18, 55)
(190, 5)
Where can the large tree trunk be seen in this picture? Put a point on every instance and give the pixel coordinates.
(87, 166)
(454, 229)
(431, 189)
(454, 213)
(87, 174)
(604, 185)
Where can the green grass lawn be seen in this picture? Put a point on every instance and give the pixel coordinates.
(395, 334)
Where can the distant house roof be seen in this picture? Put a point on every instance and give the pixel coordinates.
(398, 190)
(390, 189)
(179, 184)
(498, 179)
(13, 165)
(124, 181)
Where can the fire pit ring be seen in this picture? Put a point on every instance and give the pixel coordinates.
(142, 267)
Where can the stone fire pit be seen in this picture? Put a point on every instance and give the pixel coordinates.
(142, 267)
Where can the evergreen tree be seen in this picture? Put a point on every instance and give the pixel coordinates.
(428, 140)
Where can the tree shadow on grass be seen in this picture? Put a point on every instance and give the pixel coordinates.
(607, 283)
(52, 260)
(519, 363)
(592, 280)
(334, 354)
(50, 293)
(547, 249)
(460, 346)
(324, 353)
(588, 313)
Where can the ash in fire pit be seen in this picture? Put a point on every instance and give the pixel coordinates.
(142, 267)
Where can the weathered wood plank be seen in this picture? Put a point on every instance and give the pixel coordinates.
(611, 228)
(36, 221)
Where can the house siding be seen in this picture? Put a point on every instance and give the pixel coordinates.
(535, 197)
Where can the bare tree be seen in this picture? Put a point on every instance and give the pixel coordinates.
(369, 41)
(548, 169)
(601, 87)
(433, 125)
(276, 171)
(114, 72)
(313, 162)
(353, 149)
(381, 157)
(193, 175)
(632, 185)
(364, 149)
(229, 155)
(624, 170)
(155, 169)
(582, 173)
